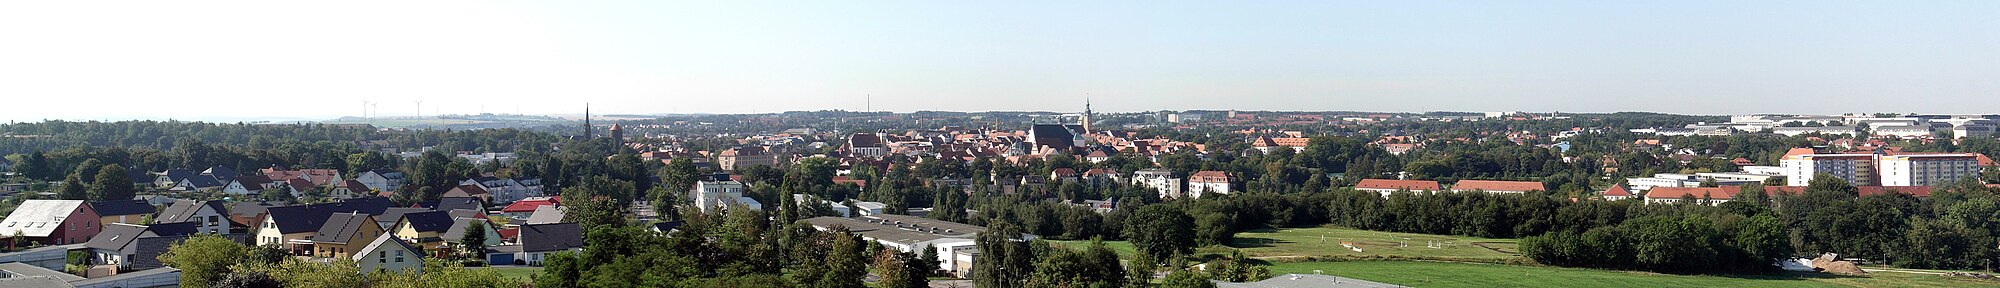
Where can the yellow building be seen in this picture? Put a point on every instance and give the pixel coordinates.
(425, 229)
(345, 234)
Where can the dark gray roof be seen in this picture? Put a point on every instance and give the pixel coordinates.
(173, 229)
(203, 182)
(340, 227)
(391, 215)
(184, 211)
(458, 227)
(121, 207)
(247, 209)
(550, 237)
(463, 213)
(428, 221)
(114, 236)
(455, 203)
(219, 172)
(309, 218)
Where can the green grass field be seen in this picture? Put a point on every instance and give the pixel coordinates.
(1327, 241)
(521, 273)
(1442, 274)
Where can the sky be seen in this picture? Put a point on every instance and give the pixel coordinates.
(234, 60)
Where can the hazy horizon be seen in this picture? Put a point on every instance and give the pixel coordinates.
(315, 61)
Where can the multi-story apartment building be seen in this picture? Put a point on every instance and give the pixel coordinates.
(1801, 166)
(1927, 169)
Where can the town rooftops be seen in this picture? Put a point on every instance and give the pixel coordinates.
(383, 240)
(428, 221)
(121, 207)
(1497, 186)
(1209, 177)
(309, 218)
(340, 227)
(184, 210)
(1616, 190)
(38, 218)
(530, 204)
(1388, 184)
(1720, 193)
(550, 237)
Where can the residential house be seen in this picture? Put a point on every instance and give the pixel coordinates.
(1615, 193)
(522, 209)
(342, 234)
(1096, 175)
(122, 211)
(118, 243)
(470, 191)
(500, 190)
(317, 177)
(1387, 186)
(350, 189)
(540, 240)
(172, 177)
(387, 253)
(456, 234)
(381, 180)
(197, 184)
(1205, 182)
(207, 216)
(1161, 180)
(248, 185)
(544, 215)
(1491, 186)
(450, 203)
(425, 229)
(52, 222)
(294, 227)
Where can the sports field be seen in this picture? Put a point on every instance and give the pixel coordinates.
(1443, 274)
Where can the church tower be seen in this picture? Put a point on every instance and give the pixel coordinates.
(586, 121)
(1086, 116)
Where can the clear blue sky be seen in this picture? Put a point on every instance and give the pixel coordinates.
(222, 60)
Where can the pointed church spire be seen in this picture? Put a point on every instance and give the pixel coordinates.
(586, 121)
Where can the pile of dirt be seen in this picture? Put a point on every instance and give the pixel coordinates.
(1831, 263)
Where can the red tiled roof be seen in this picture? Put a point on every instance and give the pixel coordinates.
(1209, 177)
(1412, 185)
(1616, 190)
(849, 179)
(1491, 185)
(528, 205)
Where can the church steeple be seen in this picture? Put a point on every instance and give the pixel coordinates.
(586, 121)
(1086, 115)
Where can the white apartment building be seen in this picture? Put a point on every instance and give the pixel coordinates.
(1858, 169)
(712, 195)
(1927, 169)
(1161, 180)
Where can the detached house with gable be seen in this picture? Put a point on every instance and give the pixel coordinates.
(52, 222)
(208, 216)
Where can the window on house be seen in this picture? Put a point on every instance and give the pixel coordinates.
(399, 256)
(382, 257)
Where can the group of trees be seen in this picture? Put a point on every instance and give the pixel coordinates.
(213, 261)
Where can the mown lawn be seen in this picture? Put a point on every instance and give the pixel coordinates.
(1326, 241)
(521, 273)
(1444, 274)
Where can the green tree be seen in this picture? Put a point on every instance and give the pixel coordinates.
(1004, 260)
(72, 189)
(111, 184)
(896, 270)
(1185, 279)
(474, 239)
(203, 259)
(1160, 231)
(36, 166)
